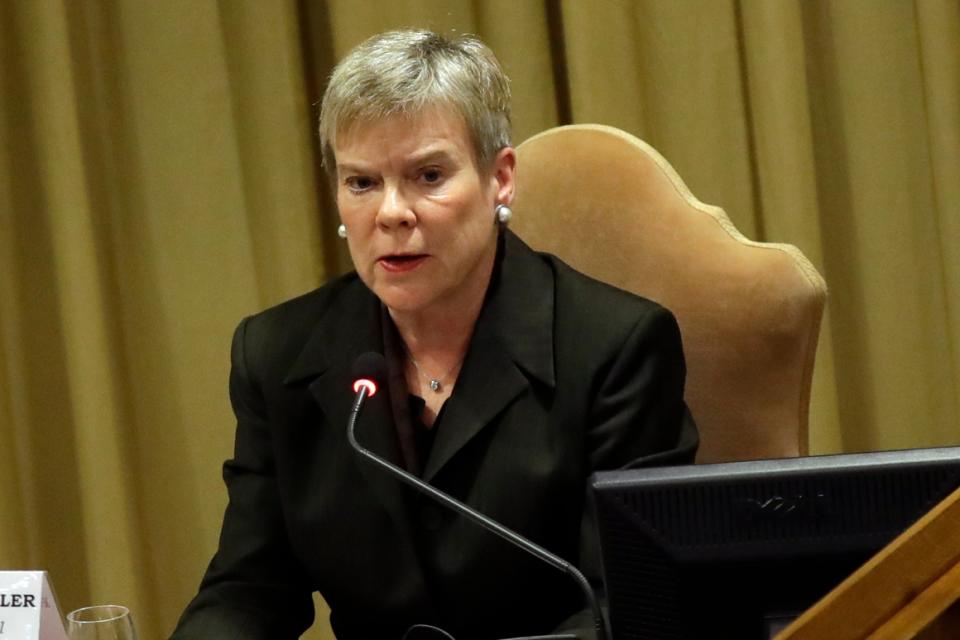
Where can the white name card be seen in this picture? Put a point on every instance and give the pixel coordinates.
(28, 608)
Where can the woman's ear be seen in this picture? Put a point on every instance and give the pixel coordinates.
(504, 173)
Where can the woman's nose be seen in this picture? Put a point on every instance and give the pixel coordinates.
(395, 210)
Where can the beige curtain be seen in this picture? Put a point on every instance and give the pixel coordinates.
(159, 179)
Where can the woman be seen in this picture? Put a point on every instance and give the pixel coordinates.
(511, 378)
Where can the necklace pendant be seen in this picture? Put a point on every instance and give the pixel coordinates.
(435, 385)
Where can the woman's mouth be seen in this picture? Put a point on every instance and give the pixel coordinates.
(402, 263)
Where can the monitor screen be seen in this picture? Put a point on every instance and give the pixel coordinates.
(737, 550)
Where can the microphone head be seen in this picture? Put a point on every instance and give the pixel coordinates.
(368, 370)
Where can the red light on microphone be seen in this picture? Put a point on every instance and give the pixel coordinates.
(365, 382)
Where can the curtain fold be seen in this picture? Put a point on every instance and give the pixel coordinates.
(938, 32)
(160, 179)
(279, 176)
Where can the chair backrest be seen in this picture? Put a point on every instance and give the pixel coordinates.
(612, 207)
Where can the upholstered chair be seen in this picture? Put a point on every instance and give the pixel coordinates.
(749, 312)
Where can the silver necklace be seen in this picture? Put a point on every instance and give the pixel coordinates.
(436, 384)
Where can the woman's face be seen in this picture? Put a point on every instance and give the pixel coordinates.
(419, 215)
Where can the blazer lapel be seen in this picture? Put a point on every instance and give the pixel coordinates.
(348, 328)
(374, 430)
(512, 344)
(490, 381)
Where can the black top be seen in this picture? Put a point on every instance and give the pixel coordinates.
(423, 435)
(413, 436)
(564, 376)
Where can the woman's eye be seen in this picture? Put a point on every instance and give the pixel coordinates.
(431, 176)
(359, 183)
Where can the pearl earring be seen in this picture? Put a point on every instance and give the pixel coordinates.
(503, 213)
(342, 231)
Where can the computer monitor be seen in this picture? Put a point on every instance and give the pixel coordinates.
(737, 550)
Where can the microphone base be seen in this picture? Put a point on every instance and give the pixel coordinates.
(429, 632)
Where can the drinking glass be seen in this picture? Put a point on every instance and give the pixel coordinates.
(101, 622)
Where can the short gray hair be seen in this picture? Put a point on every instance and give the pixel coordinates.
(405, 72)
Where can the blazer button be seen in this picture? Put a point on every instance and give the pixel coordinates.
(431, 517)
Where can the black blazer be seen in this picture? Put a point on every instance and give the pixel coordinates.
(564, 375)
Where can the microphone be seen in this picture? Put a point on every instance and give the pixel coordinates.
(368, 369)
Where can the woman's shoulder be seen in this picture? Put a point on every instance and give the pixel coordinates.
(306, 308)
(574, 283)
(584, 306)
(589, 301)
(278, 333)
(579, 290)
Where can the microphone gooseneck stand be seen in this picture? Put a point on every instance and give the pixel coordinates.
(363, 392)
